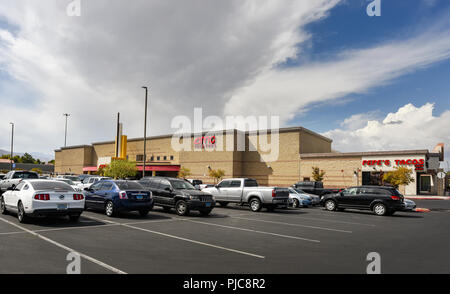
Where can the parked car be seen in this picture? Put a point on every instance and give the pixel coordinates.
(13, 178)
(409, 205)
(315, 188)
(32, 198)
(247, 191)
(87, 182)
(315, 200)
(74, 179)
(69, 182)
(196, 183)
(115, 196)
(381, 200)
(2, 176)
(297, 199)
(82, 177)
(179, 194)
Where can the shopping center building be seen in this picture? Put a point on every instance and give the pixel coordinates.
(279, 158)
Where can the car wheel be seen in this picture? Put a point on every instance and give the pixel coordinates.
(143, 213)
(182, 208)
(205, 212)
(330, 205)
(255, 205)
(380, 209)
(296, 203)
(3, 206)
(21, 215)
(110, 209)
(74, 217)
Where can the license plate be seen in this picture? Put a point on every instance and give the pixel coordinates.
(61, 207)
(139, 197)
(208, 204)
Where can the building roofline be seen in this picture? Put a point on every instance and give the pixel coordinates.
(369, 153)
(72, 147)
(234, 131)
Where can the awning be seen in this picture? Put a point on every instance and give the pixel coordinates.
(90, 169)
(175, 168)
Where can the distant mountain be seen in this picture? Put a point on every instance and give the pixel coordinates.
(36, 155)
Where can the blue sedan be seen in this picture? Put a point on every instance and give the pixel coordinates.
(117, 196)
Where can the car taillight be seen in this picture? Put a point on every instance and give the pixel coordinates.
(274, 193)
(78, 196)
(42, 197)
(123, 195)
(395, 198)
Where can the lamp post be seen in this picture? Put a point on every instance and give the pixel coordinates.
(12, 146)
(65, 133)
(145, 131)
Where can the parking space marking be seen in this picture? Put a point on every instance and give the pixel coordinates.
(91, 259)
(12, 233)
(186, 240)
(295, 225)
(254, 231)
(335, 221)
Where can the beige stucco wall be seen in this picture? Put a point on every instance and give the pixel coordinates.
(339, 172)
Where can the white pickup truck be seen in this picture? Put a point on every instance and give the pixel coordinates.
(247, 191)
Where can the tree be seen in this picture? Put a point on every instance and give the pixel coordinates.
(216, 174)
(120, 169)
(400, 176)
(317, 174)
(37, 170)
(184, 173)
(51, 162)
(27, 158)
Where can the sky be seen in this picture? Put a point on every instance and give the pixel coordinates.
(368, 83)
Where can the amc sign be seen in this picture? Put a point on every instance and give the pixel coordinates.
(417, 163)
(205, 142)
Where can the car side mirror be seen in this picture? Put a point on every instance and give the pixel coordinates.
(13, 188)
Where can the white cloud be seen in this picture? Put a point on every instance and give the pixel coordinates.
(190, 53)
(287, 91)
(410, 127)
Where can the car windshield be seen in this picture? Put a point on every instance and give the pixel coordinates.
(181, 185)
(51, 186)
(67, 181)
(25, 175)
(72, 178)
(125, 185)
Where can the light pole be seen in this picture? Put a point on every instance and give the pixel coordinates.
(145, 131)
(65, 133)
(12, 146)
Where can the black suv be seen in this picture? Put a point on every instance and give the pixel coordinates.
(381, 200)
(179, 194)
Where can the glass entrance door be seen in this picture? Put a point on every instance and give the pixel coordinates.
(425, 183)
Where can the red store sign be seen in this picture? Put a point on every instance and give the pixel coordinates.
(417, 163)
(205, 142)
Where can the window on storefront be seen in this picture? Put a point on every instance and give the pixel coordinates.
(425, 183)
(140, 157)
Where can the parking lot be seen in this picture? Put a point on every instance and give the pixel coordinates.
(232, 240)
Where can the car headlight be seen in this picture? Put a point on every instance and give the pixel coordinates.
(193, 197)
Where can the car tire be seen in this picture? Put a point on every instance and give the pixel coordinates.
(380, 209)
(21, 215)
(74, 218)
(182, 208)
(205, 212)
(110, 209)
(3, 209)
(330, 205)
(143, 213)
(255, 205)
(295, 203)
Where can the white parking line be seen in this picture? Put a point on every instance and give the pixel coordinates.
(296, 225)
(183, 239)
(91, 259)
(334, 221)
(254, 231)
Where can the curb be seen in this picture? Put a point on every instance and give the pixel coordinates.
(422, 210)
(427, 198)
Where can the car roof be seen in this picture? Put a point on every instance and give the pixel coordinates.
(374, 187)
